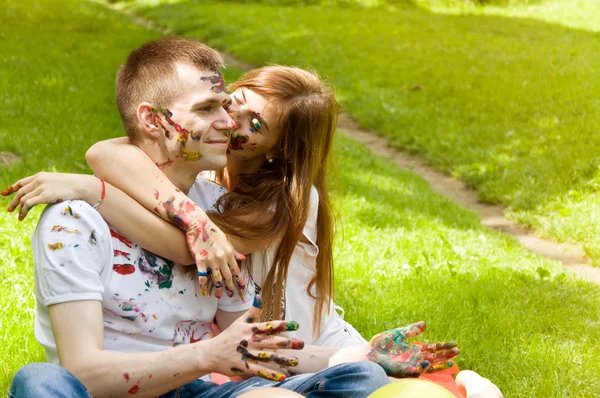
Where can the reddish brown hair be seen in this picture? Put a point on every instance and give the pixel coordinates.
(149, 74)
(306, 112)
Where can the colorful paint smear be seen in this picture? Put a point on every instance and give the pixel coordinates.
(60, 228)
(158, 270)
(124, 269)
(237, 140)
(10, 190)
(218, 83)
(69, 212)
(119, 253)
(92, 239)
(121, 238)
(55, 246)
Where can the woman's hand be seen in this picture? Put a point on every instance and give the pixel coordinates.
(244, 346)
(402, 359)
(214, 256)
(49, 188)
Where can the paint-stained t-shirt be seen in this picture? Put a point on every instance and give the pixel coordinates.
(149, 303)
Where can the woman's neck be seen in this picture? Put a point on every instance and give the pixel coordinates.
(236, 167)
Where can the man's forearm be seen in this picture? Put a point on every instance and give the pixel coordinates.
(116, 374)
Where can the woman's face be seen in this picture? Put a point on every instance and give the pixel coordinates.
(256, 133)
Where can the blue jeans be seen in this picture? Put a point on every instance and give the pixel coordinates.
(352, 380)
(46, 380)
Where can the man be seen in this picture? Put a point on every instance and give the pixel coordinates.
(122, 321)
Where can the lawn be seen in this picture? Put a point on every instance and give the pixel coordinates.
(505, 98)
(410, 254)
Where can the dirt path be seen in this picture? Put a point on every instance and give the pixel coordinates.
(571, 256)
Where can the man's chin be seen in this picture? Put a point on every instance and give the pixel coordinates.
(216, 162)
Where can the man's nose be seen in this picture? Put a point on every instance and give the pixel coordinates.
(225, 121)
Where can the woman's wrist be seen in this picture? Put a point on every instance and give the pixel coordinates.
(91, 190)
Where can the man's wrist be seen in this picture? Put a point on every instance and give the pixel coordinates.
(201, 357)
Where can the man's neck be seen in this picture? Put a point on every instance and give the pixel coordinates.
(181, 176)
(179, 172)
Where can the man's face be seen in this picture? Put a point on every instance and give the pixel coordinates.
(196, 125)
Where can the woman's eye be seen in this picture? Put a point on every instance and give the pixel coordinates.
(255, 124)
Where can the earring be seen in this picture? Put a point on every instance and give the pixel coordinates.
(270, 160)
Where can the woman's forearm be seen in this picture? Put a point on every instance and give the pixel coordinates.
(138, 224)
(128, 168)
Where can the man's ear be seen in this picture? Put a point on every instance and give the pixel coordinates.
(147, 120)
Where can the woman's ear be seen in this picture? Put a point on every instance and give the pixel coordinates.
(146, 118)
(272, 155)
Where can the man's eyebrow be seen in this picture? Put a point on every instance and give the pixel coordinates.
(208, 101)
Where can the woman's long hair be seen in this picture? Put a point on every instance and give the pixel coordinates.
(306, 111)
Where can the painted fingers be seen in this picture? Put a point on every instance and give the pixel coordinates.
(222, 267)
(27, 195)
(442, 356)
(412, 330)
(273, 327)
(250, 368)
(265, 356)
(437, 367)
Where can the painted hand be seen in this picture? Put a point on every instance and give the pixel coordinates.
(48, 188)
(244, 347)
(402, 359)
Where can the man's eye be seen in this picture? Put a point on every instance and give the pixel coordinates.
(205, 109)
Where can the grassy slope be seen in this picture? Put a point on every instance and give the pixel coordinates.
(407, 252)
(509, 104)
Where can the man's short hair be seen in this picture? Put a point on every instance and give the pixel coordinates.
(149, 74)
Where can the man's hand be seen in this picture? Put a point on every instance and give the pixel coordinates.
(402, 359)
(214, 256)
(242, 347)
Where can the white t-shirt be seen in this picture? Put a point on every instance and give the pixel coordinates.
(149, 303)
(299, 305)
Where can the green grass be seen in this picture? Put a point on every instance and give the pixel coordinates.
(410, 254)
(505, 98)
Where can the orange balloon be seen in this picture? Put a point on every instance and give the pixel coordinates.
(412, 388)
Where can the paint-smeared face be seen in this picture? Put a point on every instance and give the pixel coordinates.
(256, 133)
(196, 125)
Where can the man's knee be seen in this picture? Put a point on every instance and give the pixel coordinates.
(365, 376)
(36, 374)
(373, 372)
(45, 379)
